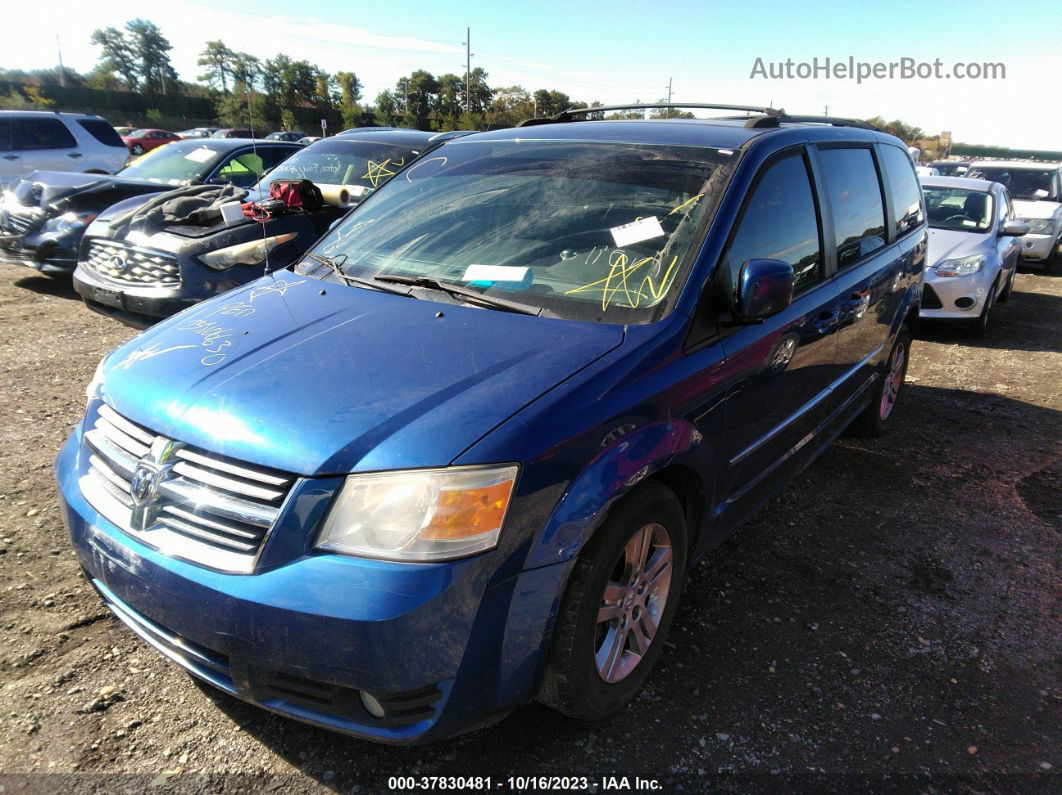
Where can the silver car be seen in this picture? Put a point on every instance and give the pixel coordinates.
(973, 249)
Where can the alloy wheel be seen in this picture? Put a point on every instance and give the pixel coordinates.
(633, 603)
(893, 381)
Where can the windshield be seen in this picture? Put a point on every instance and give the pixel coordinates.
(958, 208)
(588, 231)
(173, 164)
(351, 163)
(1021, 182)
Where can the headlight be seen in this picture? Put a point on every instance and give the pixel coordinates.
(419, 515)
(252, 253)
(94, 386)
(1041, 226)
(964, 266)
(73, 220)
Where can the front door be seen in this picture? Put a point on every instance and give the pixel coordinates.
(779, 372)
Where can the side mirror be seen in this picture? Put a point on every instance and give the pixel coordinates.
(1015, 228)
(765, 288)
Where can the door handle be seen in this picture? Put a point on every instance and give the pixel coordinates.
(10, 157)
(826, 321)
(73, 154)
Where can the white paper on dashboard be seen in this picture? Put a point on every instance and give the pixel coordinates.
(200, 155)
(495, 273)
(637, 231)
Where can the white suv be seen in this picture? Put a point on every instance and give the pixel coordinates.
(1037, 191)
(52, 141)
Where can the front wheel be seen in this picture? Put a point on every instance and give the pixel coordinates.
(137, 149)
(979, 327)
(1008, 290)
(618, 608)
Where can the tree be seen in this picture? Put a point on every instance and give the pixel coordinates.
(448, 103)
(479, 93)
(349, 95)
(119, 56)
(421, 91)
(387, 110)
(550, 103)
(907, 133)
(242, 108)
(153, 51)
(217, 58)
(246, 70)
(510, 106)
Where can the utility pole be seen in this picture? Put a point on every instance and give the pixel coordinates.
(826, 110)
(62, 77)
(468, 69)
(667, 111)
(405, 95)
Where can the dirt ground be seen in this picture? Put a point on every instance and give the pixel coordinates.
(890, 622)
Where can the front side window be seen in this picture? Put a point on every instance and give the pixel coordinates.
(854, 194)
(585, 230)
(360, 163)
(780, 222)
(37, 133)
(906, 192)
(243, 170)
(958, 208)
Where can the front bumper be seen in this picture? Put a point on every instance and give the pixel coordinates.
(137, 306)
(441, 646)
(1036, 248)
(955, 297)
(51, 252)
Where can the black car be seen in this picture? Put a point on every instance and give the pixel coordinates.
(293, 137)
(43, 218)
(138, 274)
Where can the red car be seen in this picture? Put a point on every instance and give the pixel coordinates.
(140, 141)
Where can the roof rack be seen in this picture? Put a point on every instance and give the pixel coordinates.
(835, 121)
(571, 113)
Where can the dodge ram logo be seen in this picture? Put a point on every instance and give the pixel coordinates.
(150, 471)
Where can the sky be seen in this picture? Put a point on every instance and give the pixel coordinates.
(617, 51)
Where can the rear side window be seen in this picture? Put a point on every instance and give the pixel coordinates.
(906, 191)
(42, 133)
(780, 222)
(101, 131)
(854, 194)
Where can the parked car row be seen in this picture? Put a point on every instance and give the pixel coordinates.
(452, 441)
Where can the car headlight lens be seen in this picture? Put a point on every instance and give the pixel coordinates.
(419, 515)
(964, 266)
(75, 219)
(96, 384)
(1041, 226)
(251, 253)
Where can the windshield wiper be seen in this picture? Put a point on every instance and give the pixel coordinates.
(372, 284)
(465, 292)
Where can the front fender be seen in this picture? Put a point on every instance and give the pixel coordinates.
(632, 456)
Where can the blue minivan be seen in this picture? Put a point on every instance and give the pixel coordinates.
(464, 453)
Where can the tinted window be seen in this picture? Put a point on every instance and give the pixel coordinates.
(5, 134)
(854, 194)
(780, 222)
(101, 131)
(906, 192)
(44, 133)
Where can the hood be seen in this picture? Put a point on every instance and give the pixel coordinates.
(1025, 208)
(951, 243)
(318, 378)
(86, 191)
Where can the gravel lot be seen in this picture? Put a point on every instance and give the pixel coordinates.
(891, 621)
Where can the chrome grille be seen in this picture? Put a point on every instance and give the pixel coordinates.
(180, 500)
(122, 263)
(21, 221)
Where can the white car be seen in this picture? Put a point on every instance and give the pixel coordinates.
(33, 140)
(973, 249)
(926, 171)
(1037, 191)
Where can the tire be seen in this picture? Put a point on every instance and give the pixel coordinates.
(1054, 259)
(875, 417)
(583, 656)
(137, 149)
(979, 327)
(1009, 288)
